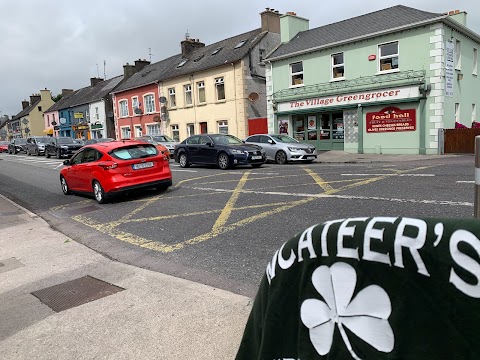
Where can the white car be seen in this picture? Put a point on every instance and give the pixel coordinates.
(165, 140)
(282, 148)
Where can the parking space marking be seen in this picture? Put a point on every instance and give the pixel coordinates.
(367, 174)
(220, 224)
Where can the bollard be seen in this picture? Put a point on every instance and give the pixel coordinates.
(476, 204)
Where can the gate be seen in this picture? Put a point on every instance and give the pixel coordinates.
(460, 141)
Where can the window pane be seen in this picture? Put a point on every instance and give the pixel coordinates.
(337, 59)
(389, 64)
(299, 127)
(297, 79)
(201, 95)
(338, 71)
(297, 67)
(220, 92)
(389, 49)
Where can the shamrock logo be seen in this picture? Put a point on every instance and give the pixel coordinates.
(366, 315)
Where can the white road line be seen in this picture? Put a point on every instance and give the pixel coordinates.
(366, 174)
(347, 197)
(183, 170)
(466, 182)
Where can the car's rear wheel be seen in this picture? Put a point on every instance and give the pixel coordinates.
(99, 193)
(66, 190)
(183, 160)
(222, 161)
(281, 157)
(256, 165)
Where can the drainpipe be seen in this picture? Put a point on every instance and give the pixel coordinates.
(235, 99)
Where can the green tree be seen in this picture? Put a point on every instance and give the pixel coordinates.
(56, 98)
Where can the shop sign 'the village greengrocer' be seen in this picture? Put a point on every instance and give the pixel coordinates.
(391, 119)
(366, 97)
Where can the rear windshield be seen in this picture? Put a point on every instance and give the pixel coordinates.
(43, 140)
(162, 138)
(134, 152)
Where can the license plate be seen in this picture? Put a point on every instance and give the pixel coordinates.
(142, 165)
(256, 157)
(310, 157)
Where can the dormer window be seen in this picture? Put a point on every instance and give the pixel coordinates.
(183, 62)
(216, 51)
(240, 44)
(199, 58)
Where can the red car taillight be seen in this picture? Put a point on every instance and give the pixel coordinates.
(108, 165)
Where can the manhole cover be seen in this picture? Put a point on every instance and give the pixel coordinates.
(75, 292)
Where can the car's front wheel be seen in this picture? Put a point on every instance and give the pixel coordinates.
(222, 161)
(66, 190)
(183, 160)
(99, 193)
(281, 157)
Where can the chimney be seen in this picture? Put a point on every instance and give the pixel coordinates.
(458, 16)
(34, 98)
(66, 91)
(45, 94)
(128, 71)
(270, 20)
(140, 64)
(291, 25)
(95, 80)
(190, 45)
(25, 104)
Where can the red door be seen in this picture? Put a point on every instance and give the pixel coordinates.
(257, 126)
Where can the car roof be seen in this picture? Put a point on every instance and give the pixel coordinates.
(111, 145)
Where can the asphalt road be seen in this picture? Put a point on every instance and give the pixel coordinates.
(221, 228)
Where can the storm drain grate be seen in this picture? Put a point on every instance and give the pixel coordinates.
(75, 293)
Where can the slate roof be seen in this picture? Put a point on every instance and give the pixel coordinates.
(87, 94)
(26, 111)
(199, 60)
(376, 22)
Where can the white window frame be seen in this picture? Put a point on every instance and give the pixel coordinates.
(125, 132)
(149, 106)
(138, 130)
(97, 114)
(172, 100)
(187, 90)
(189, 127)
(458, 54)
(123, 105)
(336, 66)
(201, 91)
(475, 61)
(87, 115)
(175, 129)
(457, 112)
(380, 57)
(474, 112)
(153, 129)
(220, 83)
(294, 74)
(222, 125)
(135, 103)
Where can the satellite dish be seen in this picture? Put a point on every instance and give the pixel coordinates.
(163, 99)
(156, 118)
(253, 96)
(164, 117)
(63, 120)
(25, 121)
(138, 111)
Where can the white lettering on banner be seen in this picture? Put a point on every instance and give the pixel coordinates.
(449, 65)
(410, 234)
(351, 99)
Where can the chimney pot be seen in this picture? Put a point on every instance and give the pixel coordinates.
(190, 45)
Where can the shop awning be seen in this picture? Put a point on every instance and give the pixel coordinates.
(48, 131)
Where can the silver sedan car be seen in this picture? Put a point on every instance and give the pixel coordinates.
(282, 148)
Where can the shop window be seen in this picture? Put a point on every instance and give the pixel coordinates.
(312, 127)
(338, 67)
(325, 126)
(299, 127)
(388, 56)
(337, 132)
(296, 74)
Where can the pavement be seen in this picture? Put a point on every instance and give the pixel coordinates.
(154, 316)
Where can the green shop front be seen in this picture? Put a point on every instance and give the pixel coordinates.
(377, 115)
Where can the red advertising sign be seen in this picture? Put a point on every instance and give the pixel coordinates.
(391, 119)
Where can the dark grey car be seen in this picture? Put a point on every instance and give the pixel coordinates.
(61, 146)
(36, 145)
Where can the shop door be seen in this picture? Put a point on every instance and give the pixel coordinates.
(323, 130)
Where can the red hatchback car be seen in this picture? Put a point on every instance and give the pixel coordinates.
(108, 168)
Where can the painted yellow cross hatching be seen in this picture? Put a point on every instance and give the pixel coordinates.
(220, 226)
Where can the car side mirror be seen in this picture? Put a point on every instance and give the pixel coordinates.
(66, 162)
(270, 141)
(209, 144)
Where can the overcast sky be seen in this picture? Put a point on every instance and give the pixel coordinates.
(57, 44)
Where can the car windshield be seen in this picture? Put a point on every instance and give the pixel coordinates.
(162, 138)
(42, 140)
(134, 152)
(66, 140)
(225, 139)
(284, 139)
(20, 141)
